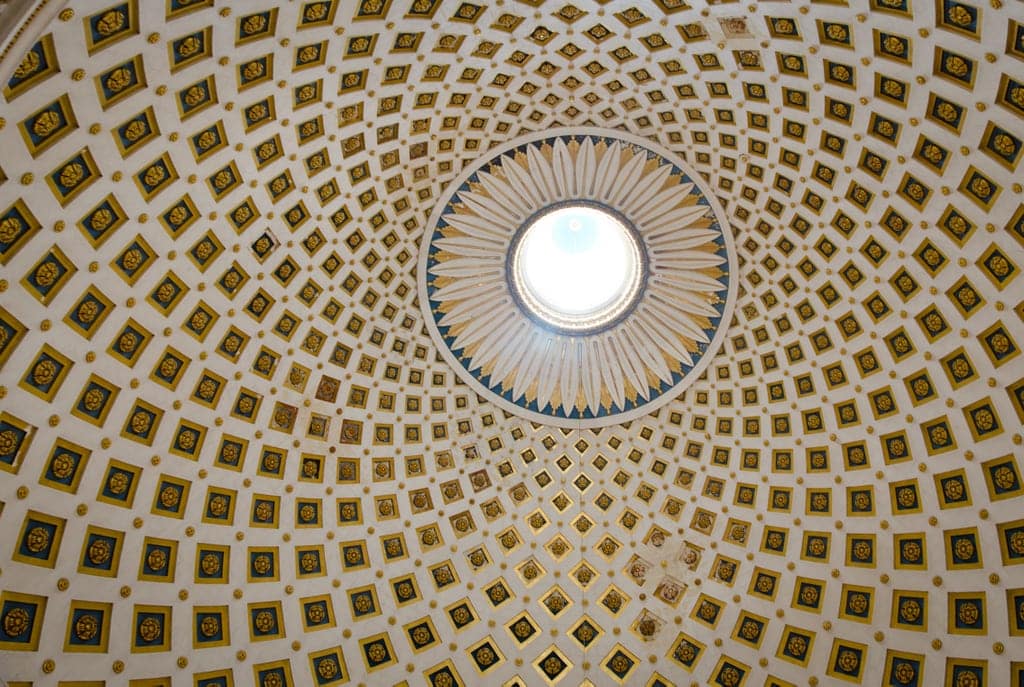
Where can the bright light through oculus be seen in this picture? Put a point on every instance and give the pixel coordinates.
(577, 267)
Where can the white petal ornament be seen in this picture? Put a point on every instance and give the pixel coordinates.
(578, 277)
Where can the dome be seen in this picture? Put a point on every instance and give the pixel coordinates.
(237, 448)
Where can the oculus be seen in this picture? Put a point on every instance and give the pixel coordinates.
(578, 277)
(576, 267)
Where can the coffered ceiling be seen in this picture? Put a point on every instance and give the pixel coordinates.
(232, 455)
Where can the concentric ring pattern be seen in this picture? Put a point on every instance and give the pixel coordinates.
(231, 453)
(612, 371)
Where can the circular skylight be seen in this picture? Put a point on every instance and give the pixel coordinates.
(578, 277)
(576, 266)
